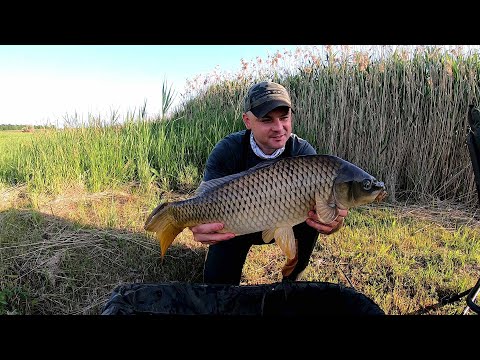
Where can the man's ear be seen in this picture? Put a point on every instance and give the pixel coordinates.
(246, 121)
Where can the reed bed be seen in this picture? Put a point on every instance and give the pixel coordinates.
(402, 115)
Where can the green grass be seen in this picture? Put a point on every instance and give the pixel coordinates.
(13, 135)
(168, 153)
(68, 255)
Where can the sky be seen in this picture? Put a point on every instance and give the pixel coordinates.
(41, 84)
(44, 84)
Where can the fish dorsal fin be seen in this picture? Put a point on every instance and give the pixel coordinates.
(285, 238)
(268, 235)
(326, 209)
(210, 184)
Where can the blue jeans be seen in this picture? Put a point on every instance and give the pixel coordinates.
(224, 261)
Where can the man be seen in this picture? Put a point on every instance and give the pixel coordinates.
(268, 135)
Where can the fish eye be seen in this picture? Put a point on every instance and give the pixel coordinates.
(367, 184)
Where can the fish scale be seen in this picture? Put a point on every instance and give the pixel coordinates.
(271, 197)
(248, 210)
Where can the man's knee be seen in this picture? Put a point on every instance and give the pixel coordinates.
(224, 261)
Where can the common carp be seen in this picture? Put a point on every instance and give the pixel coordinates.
(271, 197)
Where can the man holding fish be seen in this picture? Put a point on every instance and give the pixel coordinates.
(268, 135)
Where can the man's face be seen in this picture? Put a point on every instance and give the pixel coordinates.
(272, 131)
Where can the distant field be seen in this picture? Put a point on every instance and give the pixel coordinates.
(13, 135)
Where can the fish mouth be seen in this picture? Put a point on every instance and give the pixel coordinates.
(380, 187)
(381, 195)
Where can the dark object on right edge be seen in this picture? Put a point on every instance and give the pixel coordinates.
(473, 142)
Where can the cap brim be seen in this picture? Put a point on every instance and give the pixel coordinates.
(263, 109)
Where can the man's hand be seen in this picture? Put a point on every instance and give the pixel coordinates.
(334, 226)
(207, 233)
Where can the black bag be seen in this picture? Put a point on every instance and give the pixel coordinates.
(285, 299)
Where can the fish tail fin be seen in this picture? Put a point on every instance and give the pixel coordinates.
(163, 224)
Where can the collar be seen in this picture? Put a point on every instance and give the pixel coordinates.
(259, 151)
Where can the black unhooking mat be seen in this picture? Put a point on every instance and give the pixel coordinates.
(290, 299)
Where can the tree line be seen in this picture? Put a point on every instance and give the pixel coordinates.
(21, 127)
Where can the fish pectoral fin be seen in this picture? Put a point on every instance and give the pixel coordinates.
(291, 263)
(285, 238)
(326, 209)
(268, 235)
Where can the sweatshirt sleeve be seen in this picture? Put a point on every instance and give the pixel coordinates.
(302, 147)
(307, 149)
(219, 162)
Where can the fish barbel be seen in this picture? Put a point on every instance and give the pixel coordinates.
(271, 197)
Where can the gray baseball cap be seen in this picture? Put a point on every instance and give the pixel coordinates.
(266, 96)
